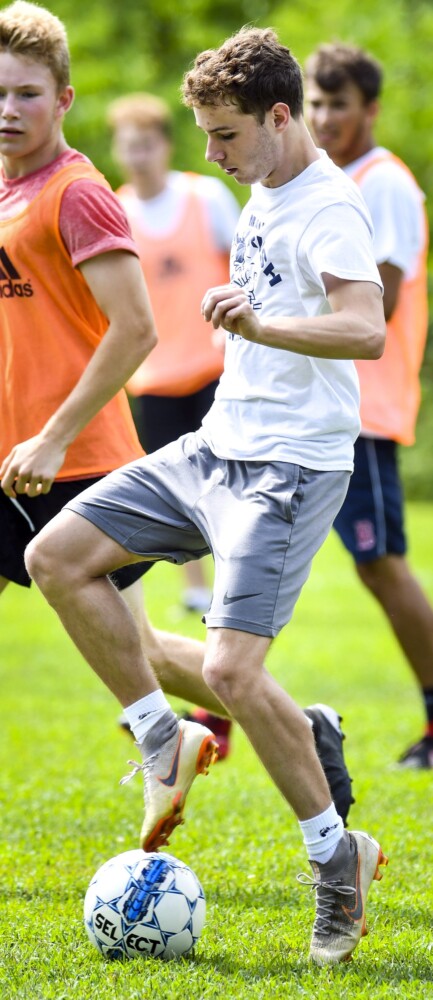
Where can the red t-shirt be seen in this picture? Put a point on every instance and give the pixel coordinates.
(92, 220)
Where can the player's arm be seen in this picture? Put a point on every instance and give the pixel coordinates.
(392, 277)
(396, 209)
(116, 282)
(355, 328)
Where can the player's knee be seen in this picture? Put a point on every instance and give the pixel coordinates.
(225, 680)
(386, 577)
(42, 562)
(374, 574)
(365, 574)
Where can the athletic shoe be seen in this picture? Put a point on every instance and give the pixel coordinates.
(341, 888)
(221, 728)
(420, 756)
(168, 776)
(329, 745)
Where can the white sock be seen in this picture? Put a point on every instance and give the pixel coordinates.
(322, 834)
(146, 712)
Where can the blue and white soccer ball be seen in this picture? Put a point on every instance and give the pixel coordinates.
(144, 904)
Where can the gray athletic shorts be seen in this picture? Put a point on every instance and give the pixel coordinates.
(262, 522)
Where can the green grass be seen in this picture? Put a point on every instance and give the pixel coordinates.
(63, 812)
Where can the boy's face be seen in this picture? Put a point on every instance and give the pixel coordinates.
(143, 153)
(238, 143)
(31, 113)
(341, 120)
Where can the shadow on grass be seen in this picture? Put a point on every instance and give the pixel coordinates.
(390, 970)
(397, 918)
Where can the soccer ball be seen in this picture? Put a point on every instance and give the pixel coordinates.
(144, 904)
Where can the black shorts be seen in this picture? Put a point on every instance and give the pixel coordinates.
(21, 519)
(162, 419)
(371, 522)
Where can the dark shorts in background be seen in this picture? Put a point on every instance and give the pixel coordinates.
(161, 419)
(21, 519)
(371, 522)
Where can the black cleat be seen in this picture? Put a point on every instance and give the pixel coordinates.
(329, 745)
(420, 756)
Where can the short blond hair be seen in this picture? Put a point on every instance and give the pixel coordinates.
(143, 110)
(32, 31)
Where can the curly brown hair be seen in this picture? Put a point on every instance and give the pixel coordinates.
(251, 70)
(333, 65)
(32, 31)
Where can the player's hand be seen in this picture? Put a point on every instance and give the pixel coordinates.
(227, 306)
(31, 467)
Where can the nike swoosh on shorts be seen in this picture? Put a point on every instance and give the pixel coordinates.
(237, 597)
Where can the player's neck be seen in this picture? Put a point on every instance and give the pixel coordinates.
(296, 153)
(149, 187)
(16, 167)
(355, 152)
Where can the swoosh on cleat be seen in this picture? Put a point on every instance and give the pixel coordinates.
(356, 911)
(171, 778)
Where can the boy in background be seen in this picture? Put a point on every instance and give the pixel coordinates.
(343, 85)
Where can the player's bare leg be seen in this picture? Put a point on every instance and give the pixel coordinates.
(88, 604)
(102, 626)
(277, 729)
(176, 660)
(275, 726)
(410, 615)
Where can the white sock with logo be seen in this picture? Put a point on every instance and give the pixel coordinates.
(322, 834)
(145, 713)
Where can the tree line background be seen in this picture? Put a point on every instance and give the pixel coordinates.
(148, 44)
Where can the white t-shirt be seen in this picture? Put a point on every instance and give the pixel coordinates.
(271, 404)
(160, 215)
(395, 203)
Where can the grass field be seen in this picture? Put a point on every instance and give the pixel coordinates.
(63, 812)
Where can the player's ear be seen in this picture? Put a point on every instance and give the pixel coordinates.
(65, 100)
(280, 116)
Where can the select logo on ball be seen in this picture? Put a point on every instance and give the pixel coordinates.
(144, 904)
